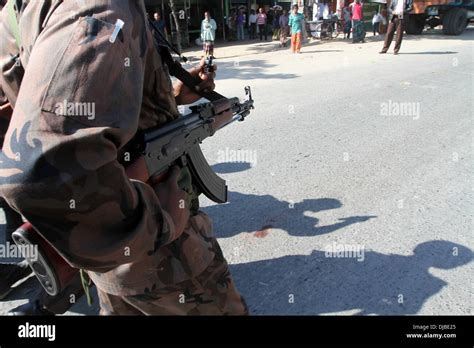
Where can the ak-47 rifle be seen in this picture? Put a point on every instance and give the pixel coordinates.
(152, 153)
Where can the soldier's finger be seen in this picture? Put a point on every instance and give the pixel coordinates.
(207, 76)
(205, 84)
(210, 87)
(173, 174)
(202, 62)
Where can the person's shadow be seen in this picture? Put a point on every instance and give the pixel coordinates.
(254, 213)
(370, 283)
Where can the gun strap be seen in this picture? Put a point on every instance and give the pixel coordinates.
(13, 21)
(86, 284)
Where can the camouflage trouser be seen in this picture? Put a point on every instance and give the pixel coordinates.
(213, 292)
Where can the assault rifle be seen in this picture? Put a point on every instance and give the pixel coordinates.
(153, 152)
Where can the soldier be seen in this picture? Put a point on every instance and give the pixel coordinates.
(89, 84)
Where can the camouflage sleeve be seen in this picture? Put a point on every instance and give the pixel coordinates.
(80, 103)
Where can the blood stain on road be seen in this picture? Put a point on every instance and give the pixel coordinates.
(263, 232)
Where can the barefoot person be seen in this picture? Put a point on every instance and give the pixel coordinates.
(296, 25)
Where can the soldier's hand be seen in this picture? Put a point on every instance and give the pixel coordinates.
(172, 198)
(184, 95)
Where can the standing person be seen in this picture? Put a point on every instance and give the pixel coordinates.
(284, 28)
(347, 18)
(262, 23)
(399, 14)
(296, 26)
(325, 10)
(231, 20)
(208, 34)
(358, 22)
(240, 22)
(376, 20)
(253, 25)
(276, 26)
(269, 26)
(160, 23)
(146, 252)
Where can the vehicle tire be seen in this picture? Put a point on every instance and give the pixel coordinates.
(455, 21)
(458, 21)
(315, 30)
(415, 25)
(446, 20)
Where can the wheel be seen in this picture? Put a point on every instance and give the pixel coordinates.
(325, 31)
(315, 30)
(458, 21)
(446, 19)
(455, 21)
(415, 25)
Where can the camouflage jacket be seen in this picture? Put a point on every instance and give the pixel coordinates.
(82, 98)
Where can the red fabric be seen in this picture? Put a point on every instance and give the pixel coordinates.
(357, 12)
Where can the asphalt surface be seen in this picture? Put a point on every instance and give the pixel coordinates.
(350, 151)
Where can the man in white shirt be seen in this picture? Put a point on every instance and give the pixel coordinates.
(253, 25)
(399, 13)
(376, 20)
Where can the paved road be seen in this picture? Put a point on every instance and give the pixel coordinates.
(355, 192)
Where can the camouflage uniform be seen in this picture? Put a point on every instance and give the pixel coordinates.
(60, 167)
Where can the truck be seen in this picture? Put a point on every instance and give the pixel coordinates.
(454, 15)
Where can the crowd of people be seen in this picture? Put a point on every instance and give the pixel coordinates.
(278, 24)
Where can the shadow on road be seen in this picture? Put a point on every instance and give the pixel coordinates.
(430, 52)
(386, 284)
(231, 167)
(319, 51)
(260, 213)
(437, 34)
(249, 70)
